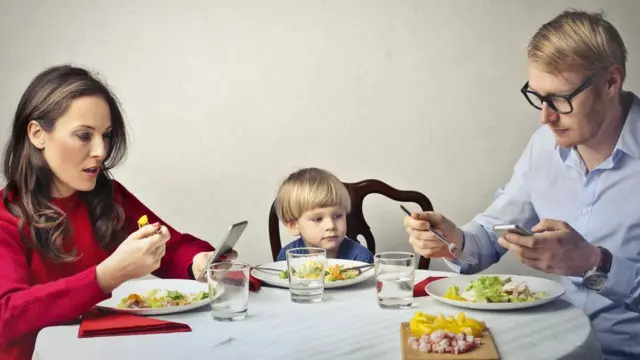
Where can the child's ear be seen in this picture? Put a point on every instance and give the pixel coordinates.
(293, 228)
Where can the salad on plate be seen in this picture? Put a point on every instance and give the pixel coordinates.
(312, 269)
(158, 298)
(493, 289)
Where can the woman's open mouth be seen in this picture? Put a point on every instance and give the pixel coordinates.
(92, 171)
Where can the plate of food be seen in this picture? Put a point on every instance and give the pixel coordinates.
(495, 292)
(159, 296)
(338, 272)
(427, 336)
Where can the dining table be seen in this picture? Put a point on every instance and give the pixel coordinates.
(347, 324)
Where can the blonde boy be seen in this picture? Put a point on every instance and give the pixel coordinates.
(313, 204)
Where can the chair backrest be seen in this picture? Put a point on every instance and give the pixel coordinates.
(356, 223)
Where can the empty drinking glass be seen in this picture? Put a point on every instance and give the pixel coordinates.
(395, 273)
(306, 270)
(228, 290)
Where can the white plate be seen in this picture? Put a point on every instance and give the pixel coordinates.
(438, 289)
(142, 286)
(271, 277)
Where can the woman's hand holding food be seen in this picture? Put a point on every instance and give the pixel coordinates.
(138, 255)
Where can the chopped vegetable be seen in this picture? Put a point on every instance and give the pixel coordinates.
(144, 220)
(336, 272)
(421, 324)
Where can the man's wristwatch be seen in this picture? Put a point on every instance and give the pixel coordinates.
(596, 278)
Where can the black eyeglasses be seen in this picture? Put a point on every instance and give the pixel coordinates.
(559, 103)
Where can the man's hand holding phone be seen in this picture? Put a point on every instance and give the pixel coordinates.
(552, 246)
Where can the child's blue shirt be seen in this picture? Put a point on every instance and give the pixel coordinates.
(349, 250)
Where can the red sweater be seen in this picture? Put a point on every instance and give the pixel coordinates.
(36, 293)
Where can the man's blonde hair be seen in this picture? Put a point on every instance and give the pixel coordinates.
(308, 189)
(577, 40)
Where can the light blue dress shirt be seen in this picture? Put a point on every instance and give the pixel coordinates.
(603, 205)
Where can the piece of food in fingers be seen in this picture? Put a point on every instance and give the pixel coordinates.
(144, 220)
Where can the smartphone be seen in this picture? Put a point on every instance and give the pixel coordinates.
(234, 233)
(516, 229)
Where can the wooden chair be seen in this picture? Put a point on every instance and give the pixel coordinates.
(356, 223)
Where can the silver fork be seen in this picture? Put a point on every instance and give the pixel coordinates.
(452, 247)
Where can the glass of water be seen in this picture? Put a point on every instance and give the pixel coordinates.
(395, 273)
(306, 268)
(228, 290)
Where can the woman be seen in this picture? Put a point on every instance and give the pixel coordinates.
(68, 231)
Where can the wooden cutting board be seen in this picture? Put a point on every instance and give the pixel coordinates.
(486, 351)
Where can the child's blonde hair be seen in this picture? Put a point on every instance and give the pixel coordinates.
(308, 189)
(577, 40)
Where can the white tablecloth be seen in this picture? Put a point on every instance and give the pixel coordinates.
(347, 325)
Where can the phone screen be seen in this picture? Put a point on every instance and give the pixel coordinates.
(516, 229)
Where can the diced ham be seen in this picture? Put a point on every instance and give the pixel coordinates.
(445, 342)
(469, 339)
(437, 335)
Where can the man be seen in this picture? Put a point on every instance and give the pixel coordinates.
(576, 183)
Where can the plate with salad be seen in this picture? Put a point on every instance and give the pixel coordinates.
(159, 296)
(495, 292)
(337, 273)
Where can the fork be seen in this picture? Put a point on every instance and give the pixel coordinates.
(359, 268)
(452, 247)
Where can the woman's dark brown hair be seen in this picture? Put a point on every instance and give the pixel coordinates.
(43, 226)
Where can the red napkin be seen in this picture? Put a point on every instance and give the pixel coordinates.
(254, 283)
(96, 324)
(419, 288)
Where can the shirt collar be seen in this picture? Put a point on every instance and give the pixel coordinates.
(629, 141)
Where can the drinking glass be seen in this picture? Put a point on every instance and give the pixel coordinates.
(228, 290)
(306, 268)
(395, 274)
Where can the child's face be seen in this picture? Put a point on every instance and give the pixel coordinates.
(322, 227)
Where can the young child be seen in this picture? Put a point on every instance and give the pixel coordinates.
(313, 204)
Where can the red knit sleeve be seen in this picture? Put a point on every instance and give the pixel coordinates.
(26, 309)
(181, 248)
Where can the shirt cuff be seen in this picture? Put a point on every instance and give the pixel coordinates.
(458, 266)
(455, 264)
(620, 281)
